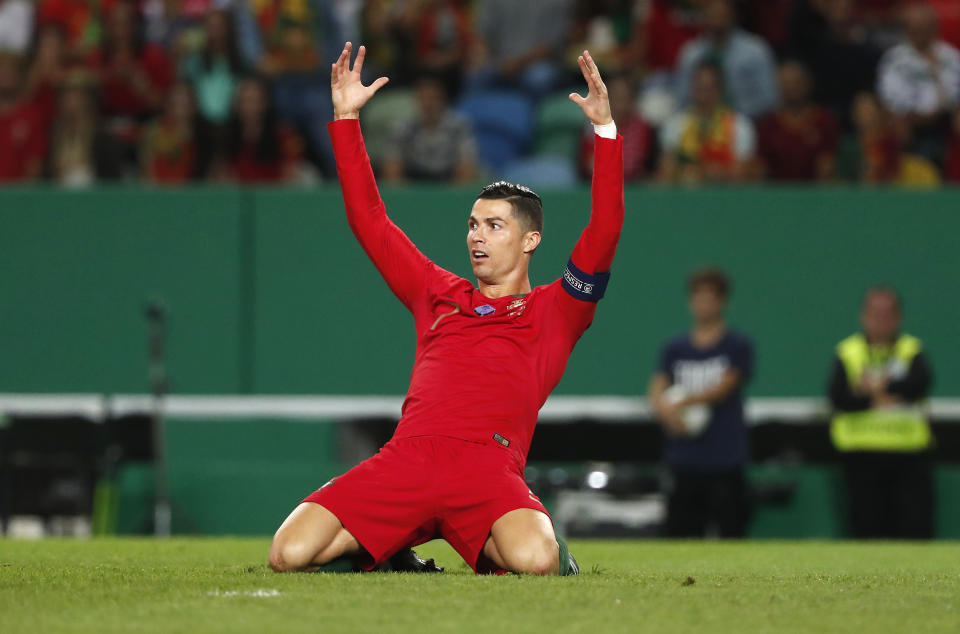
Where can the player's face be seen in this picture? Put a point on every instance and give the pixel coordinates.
(495, 240)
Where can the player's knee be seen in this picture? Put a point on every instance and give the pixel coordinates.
(289, 556)
(538, 558)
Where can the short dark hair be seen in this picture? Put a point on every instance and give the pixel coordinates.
(710, 276)
(527, 206)
(884, 289)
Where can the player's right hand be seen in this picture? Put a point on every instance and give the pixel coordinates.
(349, 94)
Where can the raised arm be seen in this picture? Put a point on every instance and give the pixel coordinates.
(589, 267)
(403, 267)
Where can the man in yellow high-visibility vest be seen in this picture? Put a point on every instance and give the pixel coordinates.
(879, 381)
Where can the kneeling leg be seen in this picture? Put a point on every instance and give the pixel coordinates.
(310, 537)
(523, 541)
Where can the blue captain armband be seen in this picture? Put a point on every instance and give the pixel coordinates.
(584, 286)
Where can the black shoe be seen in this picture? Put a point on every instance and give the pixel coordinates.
(574, 566)
(408, 561)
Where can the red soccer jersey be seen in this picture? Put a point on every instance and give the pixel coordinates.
(478, 375)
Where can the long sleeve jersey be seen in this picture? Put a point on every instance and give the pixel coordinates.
(482, 375)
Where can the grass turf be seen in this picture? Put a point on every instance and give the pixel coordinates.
(224, 585)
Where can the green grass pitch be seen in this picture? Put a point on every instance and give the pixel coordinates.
(223, 585)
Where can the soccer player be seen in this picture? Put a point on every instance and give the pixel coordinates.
(487, 358)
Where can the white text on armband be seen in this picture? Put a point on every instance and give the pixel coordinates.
(584, 286)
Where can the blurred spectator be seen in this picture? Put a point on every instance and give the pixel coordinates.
(835, 48)
(409, 37)
(707, 369)
(708, 142)
(134, 75)
(259, 148)
(919, 82)
(770, 19)
(518, 44)
(179, 26)
(23, 131)
(746, 60)
(604, 27)
(878, 382)
(799, 141)
(639, 152)
(952, 170)
(16, 26)
(948, 12)
(873, 154)
(81, 152)
(880, 18)
(437, 144)
(216, 68)
(662, 28)
(48, 69)
(348, 15)
(387, 26)
(443, 40)
(80, 20)
(299, 40)
(133, 78)
(173, 145)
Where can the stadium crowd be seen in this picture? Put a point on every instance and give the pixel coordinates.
(722, 91)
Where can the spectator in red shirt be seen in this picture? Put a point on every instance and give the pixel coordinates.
(48, 69)
(172, 150)
(80, 20)
(133, 79)
(951, 172)
(23, 132)
(948, 12)
(259, 149)
(134, 76)
(663, 27)
(442, 39)
(797, 142)
(638, 135)
(876, 154)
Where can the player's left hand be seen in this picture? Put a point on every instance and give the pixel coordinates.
(596, 105)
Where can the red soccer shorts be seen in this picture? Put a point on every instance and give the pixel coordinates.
(418, 489)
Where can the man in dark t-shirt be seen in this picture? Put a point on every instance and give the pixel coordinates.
(697, 394)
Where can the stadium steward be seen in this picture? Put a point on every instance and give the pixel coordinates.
(878, 382)
(697, 393)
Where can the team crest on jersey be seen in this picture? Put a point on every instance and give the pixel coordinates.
(516, 307)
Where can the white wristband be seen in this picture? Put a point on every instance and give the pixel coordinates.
(606, 131)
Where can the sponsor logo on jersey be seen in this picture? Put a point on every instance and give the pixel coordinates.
(516, 307)
(500, 439)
